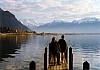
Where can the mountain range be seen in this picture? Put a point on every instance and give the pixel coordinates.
(30, 23)
(85, 25)
(7, 19)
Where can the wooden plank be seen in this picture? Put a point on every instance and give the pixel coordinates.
(63, 65)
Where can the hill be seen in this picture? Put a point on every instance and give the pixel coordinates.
(7, 19)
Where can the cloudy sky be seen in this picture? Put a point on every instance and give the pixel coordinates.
(48, 10)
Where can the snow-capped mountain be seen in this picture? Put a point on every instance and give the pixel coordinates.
(30, 23)
(85, 25)
(88, 19)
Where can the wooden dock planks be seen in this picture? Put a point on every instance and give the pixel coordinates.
(63, 65)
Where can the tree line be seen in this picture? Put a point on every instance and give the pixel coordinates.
(6, 30)
(11, 30)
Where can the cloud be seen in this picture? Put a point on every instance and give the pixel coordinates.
(52, 9)
(52, 3)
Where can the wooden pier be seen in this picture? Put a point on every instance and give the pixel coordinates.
(62, 66)
(59, 65)
(67, 64)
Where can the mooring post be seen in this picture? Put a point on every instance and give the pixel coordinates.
(70, 59)
(32, 65)
(45, 59)
(66, 54)
(86, 65)
(49, 53)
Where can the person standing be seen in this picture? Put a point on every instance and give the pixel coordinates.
(53, 49)
(63, 46)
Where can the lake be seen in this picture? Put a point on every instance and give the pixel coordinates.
(16, 52)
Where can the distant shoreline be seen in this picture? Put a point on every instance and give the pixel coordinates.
(82, 33)
(68, 34)
(2, 34)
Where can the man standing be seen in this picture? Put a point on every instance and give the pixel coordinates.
(63, 46)
(53, 49)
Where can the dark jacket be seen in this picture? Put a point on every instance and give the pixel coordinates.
(63, 45)
(54, 48)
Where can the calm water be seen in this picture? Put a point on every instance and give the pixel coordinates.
(16, 52)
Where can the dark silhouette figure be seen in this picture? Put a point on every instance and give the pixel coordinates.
(63, 46)
(53, 49)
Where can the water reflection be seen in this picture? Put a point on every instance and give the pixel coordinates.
(8, 47)
(16, 52)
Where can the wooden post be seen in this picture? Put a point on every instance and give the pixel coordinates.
(49, 53)
(66, 54)
(32, 65)
(70, 59)
(45, 59)
(86, 65)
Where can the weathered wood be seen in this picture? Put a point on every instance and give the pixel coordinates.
(66, 54)
(63, 66)
(49, 54)
(32, 65)
(45, 59)
(86, 65)
(70, 59)
(57, 66)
